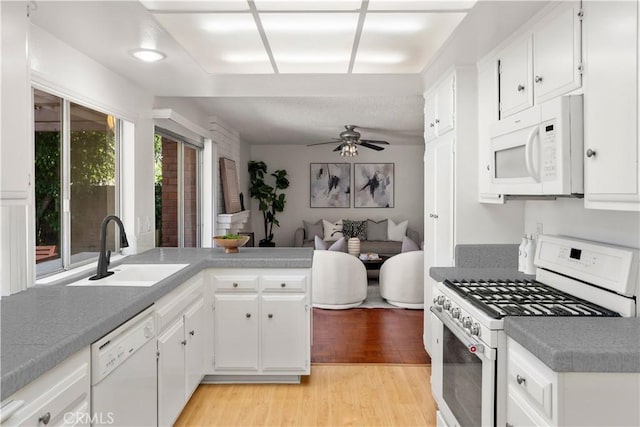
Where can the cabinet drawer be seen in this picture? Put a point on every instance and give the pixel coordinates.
(283, 283)
(532, 381)
(59, 397)
(235, 283)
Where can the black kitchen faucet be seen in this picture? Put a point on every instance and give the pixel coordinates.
(105, 255)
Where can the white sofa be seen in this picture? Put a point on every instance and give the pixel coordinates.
(339, 280)
(402, 280)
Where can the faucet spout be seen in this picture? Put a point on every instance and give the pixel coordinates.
(105, 256)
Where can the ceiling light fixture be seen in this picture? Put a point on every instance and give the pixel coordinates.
(148, 55)
(349, 150)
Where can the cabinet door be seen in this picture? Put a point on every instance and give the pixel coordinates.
(236, 332)
(195, 352)
(557, 53)
(515, 76)
(16, 138)
(430, 117)
(171, 383)
(285, 333)
(438, 215)
(445, 107)
(519, 413)
(610, 104)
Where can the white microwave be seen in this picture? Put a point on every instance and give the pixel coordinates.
(539, 151)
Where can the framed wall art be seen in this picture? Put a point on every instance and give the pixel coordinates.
(230, 186)
(373, 185)
(330, 185)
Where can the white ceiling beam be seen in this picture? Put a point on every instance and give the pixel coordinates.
(356, 39)
(263, 35)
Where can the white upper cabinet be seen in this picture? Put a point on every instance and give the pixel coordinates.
(544, 63)
(557, 53)
(439, 109)
(516, 81)
(611, 106)
(15, 138)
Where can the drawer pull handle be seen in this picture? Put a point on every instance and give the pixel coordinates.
(538, 79)
(235, 285)
(45, 418)
(248, 315)
(270, 316)
(508, 425)
(591, 153)
(520, 380)
(183, 342)
(192, 333)
(520, 88)
(283, 285)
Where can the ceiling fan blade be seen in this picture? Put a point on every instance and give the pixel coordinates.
(373, 141)
(326, 142)
(374, 147)
(339, 147)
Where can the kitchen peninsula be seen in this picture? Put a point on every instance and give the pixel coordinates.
(45, 325)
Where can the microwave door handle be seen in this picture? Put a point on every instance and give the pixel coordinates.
(528, 154)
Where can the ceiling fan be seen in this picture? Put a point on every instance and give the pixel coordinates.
(349, 140)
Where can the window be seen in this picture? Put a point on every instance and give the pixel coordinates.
(76, 181)
(177, 192)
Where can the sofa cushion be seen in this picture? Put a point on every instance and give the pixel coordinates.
(313, 229)
(337, 246)
(408, 245)
(332, 231)
(354, 229)
(377, 230)
(395, 231)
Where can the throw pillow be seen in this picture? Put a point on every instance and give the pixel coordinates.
(408, 245)
(377, 230)
(337, 246)
(396, 232)
(332, 231)
(314, 229)
(354, 229)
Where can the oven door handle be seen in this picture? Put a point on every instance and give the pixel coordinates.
(473, 345)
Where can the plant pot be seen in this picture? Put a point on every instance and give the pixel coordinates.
(266, 244)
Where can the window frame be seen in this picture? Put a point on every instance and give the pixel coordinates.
(66, 261)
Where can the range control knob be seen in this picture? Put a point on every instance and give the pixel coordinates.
(466, 322)
(447, 304)
(439, 300)
(455, 312)
(475, 329)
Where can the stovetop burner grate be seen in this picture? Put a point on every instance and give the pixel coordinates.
(498, 298)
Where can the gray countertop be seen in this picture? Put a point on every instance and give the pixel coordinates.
(565, 344)
(42, 326)
(580, 344)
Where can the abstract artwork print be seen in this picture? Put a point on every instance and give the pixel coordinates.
(330, 185)
(373, 184)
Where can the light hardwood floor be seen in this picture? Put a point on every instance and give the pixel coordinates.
(334, 395)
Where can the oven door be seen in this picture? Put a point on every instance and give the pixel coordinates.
(463, 374)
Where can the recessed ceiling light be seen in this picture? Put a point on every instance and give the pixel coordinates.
(148, 55)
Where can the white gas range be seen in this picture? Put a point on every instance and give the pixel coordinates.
(574, 278)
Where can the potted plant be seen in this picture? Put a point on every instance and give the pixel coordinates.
(270, 202)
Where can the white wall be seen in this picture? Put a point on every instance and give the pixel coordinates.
(570, 218)
(296, 159)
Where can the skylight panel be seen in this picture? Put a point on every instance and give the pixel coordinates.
(222, 43)
(402, 42)
(307, 5)
(311, 42)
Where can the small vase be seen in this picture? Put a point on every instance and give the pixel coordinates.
(353, 246)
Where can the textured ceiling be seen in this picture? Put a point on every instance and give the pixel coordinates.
(307, 120)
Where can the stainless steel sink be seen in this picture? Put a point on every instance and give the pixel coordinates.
(134, 275)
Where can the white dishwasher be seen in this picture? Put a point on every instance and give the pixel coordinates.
(124, 375)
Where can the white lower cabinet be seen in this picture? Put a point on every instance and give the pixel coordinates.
(262, 324)
(182, 349)
(539, 396)
(236, 332)
(60, 397)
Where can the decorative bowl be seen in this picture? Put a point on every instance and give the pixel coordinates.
(230, 245)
